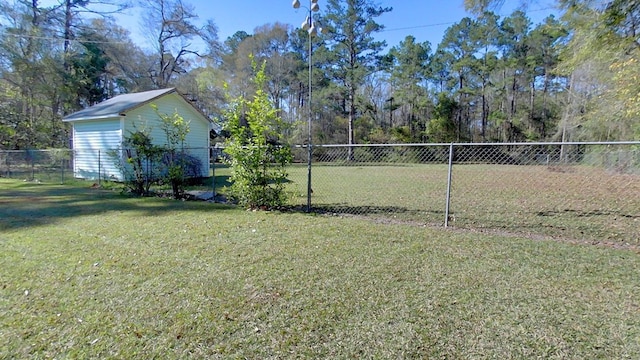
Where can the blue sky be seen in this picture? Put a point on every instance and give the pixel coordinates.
(425, 20)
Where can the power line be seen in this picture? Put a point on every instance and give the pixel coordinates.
(126, 42)
(451, 22)
(418, 27)
(53, 38)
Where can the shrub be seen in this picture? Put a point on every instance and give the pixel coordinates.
(146, 163)
(140, 155)
(257, 156)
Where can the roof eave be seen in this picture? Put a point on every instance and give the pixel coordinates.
(97, 117)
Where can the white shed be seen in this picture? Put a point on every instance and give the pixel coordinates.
(100, 129)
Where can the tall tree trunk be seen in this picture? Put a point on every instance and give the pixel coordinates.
(352, 114)
(514, 94)
(545, 91)
(461, 111)
(485, 110)
(352, 103)
(67, 34)
(512, 108)
(532, 96)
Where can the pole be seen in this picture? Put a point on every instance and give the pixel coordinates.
(449, 176)
(33, 168)
(213, 173)
(99, 169)
(310, 115)
(311, 29)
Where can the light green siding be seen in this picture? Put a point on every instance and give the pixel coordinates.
(145, 117)
(95, 138)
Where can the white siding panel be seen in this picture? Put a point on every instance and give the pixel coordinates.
(92, 143)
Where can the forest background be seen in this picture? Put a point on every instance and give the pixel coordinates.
(492, 78)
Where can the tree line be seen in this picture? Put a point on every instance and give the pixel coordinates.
(491, 78)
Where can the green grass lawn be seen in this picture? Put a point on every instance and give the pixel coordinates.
(579, 203)
(88, 273)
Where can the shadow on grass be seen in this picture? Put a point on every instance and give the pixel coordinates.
(392, 213)
(567, 224)
(24, 204)
(582, 213)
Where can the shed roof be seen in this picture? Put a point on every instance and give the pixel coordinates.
(117, 105)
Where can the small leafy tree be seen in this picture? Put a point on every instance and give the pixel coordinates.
(257, 155)
(147, 163)
(176, 129)
(140, 154)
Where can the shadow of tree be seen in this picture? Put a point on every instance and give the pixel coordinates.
(583, 213)
(390, 213)
(24, 205)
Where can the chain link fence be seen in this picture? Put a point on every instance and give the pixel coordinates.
(582, 191)
(65, 165)
(51, 166)
(402, 182)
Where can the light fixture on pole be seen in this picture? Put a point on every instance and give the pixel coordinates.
(310, 26)
(306, 24)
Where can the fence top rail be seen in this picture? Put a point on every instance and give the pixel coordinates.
(34, 150)
(89, 149)
(590, 143)
(612, 143)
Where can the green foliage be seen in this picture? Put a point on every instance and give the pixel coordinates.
(442, 127)
(401, 134)
(176, 129)
(354, 51)
(257, 156)
(174, 126)
(148, 164)
(85, 79)
(488, 63)
(407, 77)
(7, 133)
(140, 154)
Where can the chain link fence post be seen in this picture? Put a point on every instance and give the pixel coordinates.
(309, 189)
(449, 178)
(99, 168)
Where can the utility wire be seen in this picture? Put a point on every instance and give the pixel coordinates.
(451, 22)
(53, 38)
